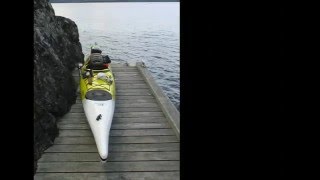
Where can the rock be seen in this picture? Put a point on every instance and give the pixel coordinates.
(56, 51)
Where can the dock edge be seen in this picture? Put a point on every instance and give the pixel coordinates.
(170, 111)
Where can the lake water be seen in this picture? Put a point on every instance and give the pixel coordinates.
(130, 32)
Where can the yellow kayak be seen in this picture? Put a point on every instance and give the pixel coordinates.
(97, 89)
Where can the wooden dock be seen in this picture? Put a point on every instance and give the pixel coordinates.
(144, 137)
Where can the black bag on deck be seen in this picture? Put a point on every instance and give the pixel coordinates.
(96, 62)
(96, 51)
(107, 59)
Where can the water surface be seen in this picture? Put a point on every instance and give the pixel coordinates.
(130, 32)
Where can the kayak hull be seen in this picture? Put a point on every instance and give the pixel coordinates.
(99, 116)
(98, 94)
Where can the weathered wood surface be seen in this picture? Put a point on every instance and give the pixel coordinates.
(170, 111)
(115, 147)
(124, 109)
(115, 120)
(121, 114)
(69, 140)
(108, 167)
(169, 175)
(142, 143)
(125, 132)
(114, 156)
(119, 126)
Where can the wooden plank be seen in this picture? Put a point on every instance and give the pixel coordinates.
(115, 147)
(112, 157)
(124, 72)
(130, 82)
(118, 64)
(76, 133)
(78, 105)
(74, 115)
(115, 120)
(130, 132)
(137, 93)
(121, 114)
(139, 114)
(115, 66)
(140, 96)
(139, 119)
(117, 79)
(119, 126)
(81, 120)
(73, 118)
(129, 101)
(73, 126)
(118, 97)
(137, 109)
(136, 105)
(78, 101)
(123, 82)
(131, 86)
(125, 101)
(128, 74)
(117, 140)
(125, 109)
(74, 140)
(142, 132)
(76, 110)
(124, 75)
(109, 166)
(129, 90)
(171, 175)
(124, 69)
(143, 139)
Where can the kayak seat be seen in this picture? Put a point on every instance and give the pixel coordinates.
(98, 95)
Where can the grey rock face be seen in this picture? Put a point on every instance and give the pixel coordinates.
(57, 50)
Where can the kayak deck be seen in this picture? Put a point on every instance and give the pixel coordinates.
(144, 136)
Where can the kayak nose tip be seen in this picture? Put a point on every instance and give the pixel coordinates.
(104, 157)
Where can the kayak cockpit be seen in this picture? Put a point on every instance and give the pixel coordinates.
(98, 95)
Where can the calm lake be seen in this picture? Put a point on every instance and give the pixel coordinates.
(130, 32)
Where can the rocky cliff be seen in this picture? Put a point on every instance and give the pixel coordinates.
(57, 50)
